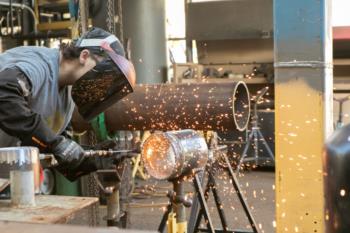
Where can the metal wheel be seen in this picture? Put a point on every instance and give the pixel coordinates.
(47, 187)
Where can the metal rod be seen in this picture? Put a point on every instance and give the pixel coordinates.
(204, 206)
(218, 202)
(201, 211)
(257, 88)
(42, 35)
(11, 18)
(240, 195)
(223, 231)
(178, 205)
(199, 106)
(267, 147)
(113, 208)
(106, 153)
(164, 220)
(7, 23)
(195, 209)
(245, 151)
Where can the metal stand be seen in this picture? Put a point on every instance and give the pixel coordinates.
(116, 215)
(202, 209)
(255, 136)
(175, 214)
(204, 196)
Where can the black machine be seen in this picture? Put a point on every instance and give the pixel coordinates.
(336, 160)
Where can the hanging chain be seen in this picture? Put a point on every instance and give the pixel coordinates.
(79, 23)
(84, 15)
(120, 21)
(110, 16)
(92, 187)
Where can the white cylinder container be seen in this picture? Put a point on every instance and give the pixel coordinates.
(23, 163)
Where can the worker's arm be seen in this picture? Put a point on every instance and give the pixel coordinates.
(19, 120)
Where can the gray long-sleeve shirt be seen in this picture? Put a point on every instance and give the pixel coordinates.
(41, 66)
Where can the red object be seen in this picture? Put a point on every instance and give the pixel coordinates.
(341, 33)
(41, 175)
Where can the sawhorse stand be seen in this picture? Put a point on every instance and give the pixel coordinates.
(178, 204)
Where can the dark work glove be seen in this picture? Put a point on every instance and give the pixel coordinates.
(72, 162)
(67, 152)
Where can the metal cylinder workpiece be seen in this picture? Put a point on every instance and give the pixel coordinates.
(23, 164)
(169, 155)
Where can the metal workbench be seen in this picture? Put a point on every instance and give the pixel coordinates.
(6, 227)
(48, 210)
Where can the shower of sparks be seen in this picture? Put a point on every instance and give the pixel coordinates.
(204, 106)
(342, 192)
(274, 224)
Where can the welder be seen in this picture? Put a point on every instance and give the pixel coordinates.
(40, 87)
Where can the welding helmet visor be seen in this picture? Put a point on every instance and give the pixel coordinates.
(108, 82)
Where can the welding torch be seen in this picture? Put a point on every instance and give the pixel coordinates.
(116, 154)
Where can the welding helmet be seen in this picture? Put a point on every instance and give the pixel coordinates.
(109, 81)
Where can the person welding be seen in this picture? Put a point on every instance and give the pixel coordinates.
(40, 87)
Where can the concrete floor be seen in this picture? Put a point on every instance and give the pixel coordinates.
(258, 186)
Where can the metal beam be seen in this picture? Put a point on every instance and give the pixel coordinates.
(303, 104)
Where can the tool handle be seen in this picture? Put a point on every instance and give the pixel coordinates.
(106, 153)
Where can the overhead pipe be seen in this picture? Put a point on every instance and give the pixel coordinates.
(23, 6)
(198, 106)
(43, 35)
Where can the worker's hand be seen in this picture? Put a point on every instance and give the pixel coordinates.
(68, 152)
(72, 162)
